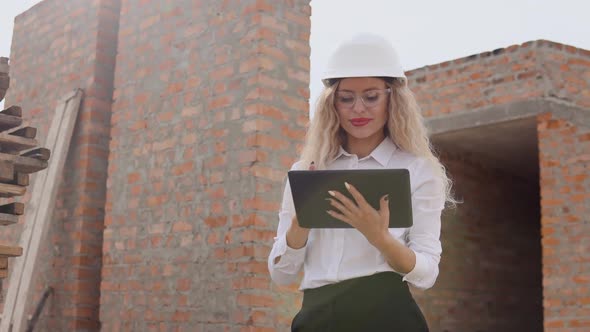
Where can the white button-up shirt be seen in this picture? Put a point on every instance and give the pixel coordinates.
(333, 255)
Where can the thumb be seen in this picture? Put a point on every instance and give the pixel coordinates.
(384, 207)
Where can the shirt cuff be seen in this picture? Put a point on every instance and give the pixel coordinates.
(419, 272)
(289, 257)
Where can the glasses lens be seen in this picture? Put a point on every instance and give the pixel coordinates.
(372, 98)
(344, 99)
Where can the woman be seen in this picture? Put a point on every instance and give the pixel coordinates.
(356, 279)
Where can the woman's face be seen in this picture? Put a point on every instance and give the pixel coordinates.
(362, 118)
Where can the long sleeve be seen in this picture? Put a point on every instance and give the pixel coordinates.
(424, 236)
(291, 260)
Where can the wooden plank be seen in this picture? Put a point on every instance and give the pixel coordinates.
(11, 143)
(10, 190)
(4, 67)
(20, 179)
(40, 153)
(38, 218)
(4, 79)
(9, 251)
(24, 164)
(3, 273)
(16, 208)
(26, 132)
(6, 170)
(13, 110)
(8, 219)
(9, 122)
(4, 82)
(3, 262)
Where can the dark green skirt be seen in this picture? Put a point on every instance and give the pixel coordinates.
(381, 302)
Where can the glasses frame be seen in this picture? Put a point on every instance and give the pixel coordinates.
(358, 96)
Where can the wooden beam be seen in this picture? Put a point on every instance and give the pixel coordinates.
(3, 273)
(3, 262)
(8, 251)
(9, 121)
(4, 67)
(6, 170)
(8, 219)
(38, 218)
(4, 82)
(10, 190)
(40, 153)
(13, 110)
(11, 143)
(26, 132)
(19, 179)
(24, 164)
(16, 208)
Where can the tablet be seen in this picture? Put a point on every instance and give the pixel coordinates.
(310, 190)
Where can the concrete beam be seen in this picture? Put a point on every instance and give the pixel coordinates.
(508, 112)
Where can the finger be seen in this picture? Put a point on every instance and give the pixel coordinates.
(350, 205)
(358, 197)
(341, 208)
(340, 217)
(384, 208)
(312, 166)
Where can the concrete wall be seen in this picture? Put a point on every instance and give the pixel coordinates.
(58, 46)
(209, 107)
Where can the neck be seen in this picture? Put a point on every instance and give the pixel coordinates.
(363, 147)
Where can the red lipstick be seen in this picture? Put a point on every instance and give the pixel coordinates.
(359, 122)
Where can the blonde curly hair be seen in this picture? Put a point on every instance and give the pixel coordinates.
(405, 127)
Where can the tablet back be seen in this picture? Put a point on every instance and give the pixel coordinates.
(310, 190)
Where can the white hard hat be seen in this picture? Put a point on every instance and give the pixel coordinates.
(365, 55)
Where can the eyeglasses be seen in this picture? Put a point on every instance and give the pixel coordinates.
(369, 98)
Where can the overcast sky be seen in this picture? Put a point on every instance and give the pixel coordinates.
(424, 32)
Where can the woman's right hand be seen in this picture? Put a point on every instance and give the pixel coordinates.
(297, 235)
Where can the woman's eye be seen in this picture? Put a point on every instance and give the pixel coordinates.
(372, 97)
(345, 100)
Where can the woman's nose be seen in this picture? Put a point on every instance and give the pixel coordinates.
(359, 106)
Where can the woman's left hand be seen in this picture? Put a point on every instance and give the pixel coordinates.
(373, 224)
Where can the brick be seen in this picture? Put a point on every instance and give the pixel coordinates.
(261, 205)
(182, 226)
(251, 300)
(183, 285)
(265, 141)
(265, 110)
(220, 102)
(256, 125)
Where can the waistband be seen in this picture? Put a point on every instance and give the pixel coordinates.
(378, 284)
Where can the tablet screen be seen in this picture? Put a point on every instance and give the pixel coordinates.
(310, 191)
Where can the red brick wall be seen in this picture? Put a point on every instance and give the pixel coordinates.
(490, 271)
(538, 69)
(209, 107)
(564, 153)
(58, 46)
(534, 70)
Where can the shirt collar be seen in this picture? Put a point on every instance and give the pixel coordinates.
(381, 154)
